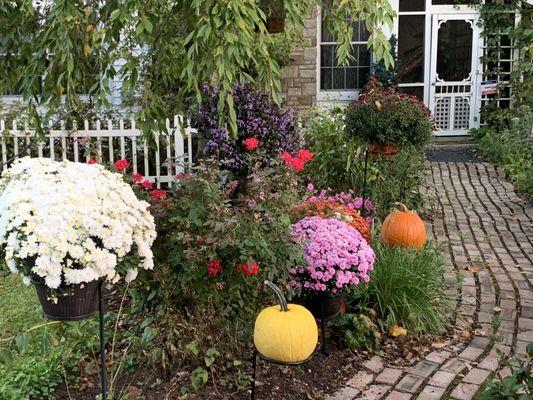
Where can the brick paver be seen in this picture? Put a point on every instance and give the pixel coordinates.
(481, 222)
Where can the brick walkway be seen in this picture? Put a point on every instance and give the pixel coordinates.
(481, 222)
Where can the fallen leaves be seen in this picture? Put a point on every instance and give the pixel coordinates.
(473, 267)
(395, 331)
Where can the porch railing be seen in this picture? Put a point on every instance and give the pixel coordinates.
(170, 153)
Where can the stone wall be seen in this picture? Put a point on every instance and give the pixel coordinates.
(298, 80)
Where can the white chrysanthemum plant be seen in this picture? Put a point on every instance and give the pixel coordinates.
(66, 223)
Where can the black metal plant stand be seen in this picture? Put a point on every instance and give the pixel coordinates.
(276, 362)
(103, 380)
(364, 182)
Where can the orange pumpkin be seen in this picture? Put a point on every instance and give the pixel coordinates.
(403, 228)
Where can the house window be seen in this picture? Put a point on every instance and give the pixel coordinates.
(352, 76)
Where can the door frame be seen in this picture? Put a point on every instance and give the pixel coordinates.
(476, 67)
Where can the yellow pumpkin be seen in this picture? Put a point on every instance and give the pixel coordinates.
(403, 228)
(285, 332)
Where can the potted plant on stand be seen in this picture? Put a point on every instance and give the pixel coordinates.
(337, 257)
(66, 227)
(388, 121)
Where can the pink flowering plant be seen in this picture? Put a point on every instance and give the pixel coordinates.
(337, 256)
(348, 199)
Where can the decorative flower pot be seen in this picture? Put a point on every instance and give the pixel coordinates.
(324, 305)
(379, 149)
(74, 303)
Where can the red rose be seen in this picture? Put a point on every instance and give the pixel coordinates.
(287, 157)
(147, 184)
(137, 177)
(91, 161)
(298, 163)
(214, 267)
(251, 144)
(249, 268)
(305, 155)
(158, 194)
(121, 165)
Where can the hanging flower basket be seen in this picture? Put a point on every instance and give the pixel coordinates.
(72, 303)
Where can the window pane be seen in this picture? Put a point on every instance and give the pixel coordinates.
(327, 36)
(327, 52)
(412, 5)
(454, 50)
(338, 78)
(325, 78)
(363, 76)
(351, 78)
(364, 56)
(411, 48)
(417, 91)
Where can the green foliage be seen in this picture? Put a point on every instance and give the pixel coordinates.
(36, 355)
(517, 386)
(390, 118)
(357, 331)
(512, 148)
(54, 51)
(339, 163)
(407, 288)
(214, 217)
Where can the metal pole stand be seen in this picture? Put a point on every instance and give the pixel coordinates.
(325, 350)
(364, 182)
(103, 380)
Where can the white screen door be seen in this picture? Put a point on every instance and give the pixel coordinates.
(454, 73)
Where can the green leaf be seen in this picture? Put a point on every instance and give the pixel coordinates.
(198, 378)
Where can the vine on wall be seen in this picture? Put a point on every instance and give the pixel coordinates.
(510, 20)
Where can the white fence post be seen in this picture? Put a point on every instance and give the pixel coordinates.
(94, 138)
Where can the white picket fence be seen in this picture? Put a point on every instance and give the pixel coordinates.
(171, 154)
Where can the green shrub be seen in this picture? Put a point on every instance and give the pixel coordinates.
(387, 117)
(511, 148)
(338, 163)
(357, 331)
(407, 288)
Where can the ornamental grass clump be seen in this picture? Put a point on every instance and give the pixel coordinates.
(337, 256)
(65, 223)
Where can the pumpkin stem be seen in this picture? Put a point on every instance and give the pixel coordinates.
(402, 207)
(279, 294)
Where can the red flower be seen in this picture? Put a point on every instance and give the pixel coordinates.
(249, 268)
(182, 176)
(287, 157)
(158, 194)
(91, 161)
(251, 144)
(298, 163)
(305, 155)
(147, 184)
(137, 177)
(121, 165)
(214, 267)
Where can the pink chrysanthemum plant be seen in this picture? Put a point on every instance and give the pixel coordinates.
(337, 256)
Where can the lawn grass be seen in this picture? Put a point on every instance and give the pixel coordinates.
(20, 306)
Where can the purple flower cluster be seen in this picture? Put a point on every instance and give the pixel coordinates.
(347, 199)
(257, 116)
(337, 255)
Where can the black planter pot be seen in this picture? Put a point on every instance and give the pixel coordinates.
(324, 306)
(74, 303)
